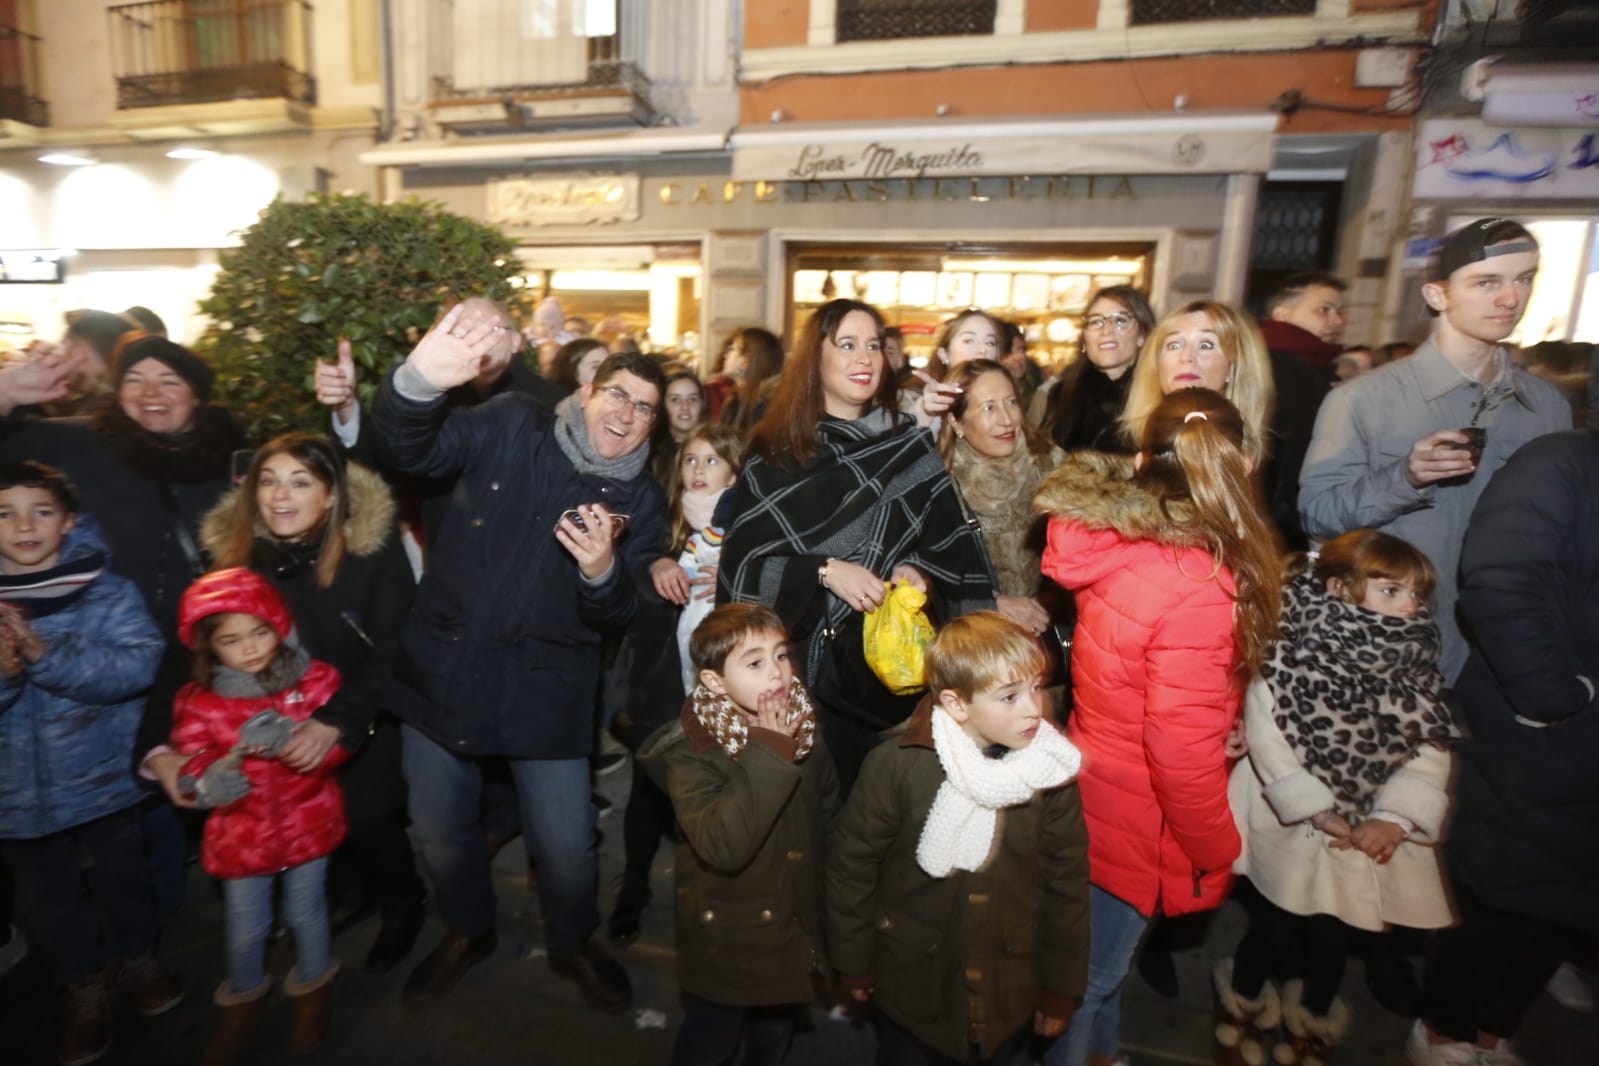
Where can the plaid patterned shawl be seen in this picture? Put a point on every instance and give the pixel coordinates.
(877, 494)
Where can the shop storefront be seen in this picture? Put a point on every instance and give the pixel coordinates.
(1546, 177)
(1024, 218)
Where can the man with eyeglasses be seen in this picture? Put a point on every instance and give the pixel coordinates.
(553, 517)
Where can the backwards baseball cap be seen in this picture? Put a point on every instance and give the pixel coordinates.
(1479, 240)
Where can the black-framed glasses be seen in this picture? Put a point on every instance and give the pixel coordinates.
(618, 399)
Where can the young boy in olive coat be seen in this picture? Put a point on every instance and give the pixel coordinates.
(958, 901)
(753, 790)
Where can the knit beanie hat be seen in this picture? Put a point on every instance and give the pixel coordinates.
(188, 366)
(232, 591)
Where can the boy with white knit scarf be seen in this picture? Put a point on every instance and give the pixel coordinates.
(958, 881)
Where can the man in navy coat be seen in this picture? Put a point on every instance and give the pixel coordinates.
(552, 518)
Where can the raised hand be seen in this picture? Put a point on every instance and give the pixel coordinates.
(453, 352)
(335, 383)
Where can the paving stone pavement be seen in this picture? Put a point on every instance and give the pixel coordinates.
(512, 1010)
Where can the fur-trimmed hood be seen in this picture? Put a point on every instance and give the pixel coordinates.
(1098, 491)
(367, 527)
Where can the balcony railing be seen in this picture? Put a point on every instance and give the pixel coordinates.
(199, 51)
(579, 65)
(19, 78)
(878, 20)
(1148, 12)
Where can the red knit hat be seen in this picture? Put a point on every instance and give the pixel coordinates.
(233, 591)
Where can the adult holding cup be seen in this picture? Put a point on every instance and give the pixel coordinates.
(1409, 447)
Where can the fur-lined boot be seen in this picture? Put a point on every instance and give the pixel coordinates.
(1309, 1039)
(1245, 1028)
(313, 1009)
(241, 1015)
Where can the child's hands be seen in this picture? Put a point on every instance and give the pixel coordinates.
(20, 635)
(772, 712)
(1049, 1025)
(862, 995)
(1378, 838)
(1333, 825)
(704, 583)
(309, 743)
(1236, 746)
(222, 783)
(10, 655)
(671, 580)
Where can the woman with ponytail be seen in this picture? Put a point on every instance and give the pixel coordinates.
(1177, 576)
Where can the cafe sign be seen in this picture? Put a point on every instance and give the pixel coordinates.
(779, 154)
(527, 203)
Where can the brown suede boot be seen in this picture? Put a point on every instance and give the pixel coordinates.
(241, 1015)
(1244, 1027)
(88, 1035)
(313, 1009)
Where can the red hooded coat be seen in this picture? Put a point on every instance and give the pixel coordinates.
(1153, 687)
(287, 818)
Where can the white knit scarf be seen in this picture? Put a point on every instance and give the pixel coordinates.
(961, 828)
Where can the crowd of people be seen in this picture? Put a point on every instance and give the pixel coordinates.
(1219, 611)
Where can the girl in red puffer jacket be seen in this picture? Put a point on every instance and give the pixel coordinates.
(273, 810)
(1177, 577)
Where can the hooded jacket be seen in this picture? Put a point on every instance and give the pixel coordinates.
(1154, 688)
(353, 624)
(67, 722)
(288, 818)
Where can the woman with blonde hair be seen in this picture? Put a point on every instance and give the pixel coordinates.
(1209, 345)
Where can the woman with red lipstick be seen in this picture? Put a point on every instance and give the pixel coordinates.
(1206, 345)
(322, 532)
(840, 495)
(1085, 404)
(997, 463)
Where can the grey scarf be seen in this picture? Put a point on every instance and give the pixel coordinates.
(285, 670)
(572, 434)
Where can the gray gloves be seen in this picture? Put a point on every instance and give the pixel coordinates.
(265, 734)
(222, 783)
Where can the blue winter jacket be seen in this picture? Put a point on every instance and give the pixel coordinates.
(67, 722)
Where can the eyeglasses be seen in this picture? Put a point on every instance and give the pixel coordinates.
(1117, 323)
(618, 399)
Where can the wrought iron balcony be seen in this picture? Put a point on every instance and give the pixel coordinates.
(167, 52)
(19, 78)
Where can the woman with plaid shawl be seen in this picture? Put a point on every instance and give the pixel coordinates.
(840, 495)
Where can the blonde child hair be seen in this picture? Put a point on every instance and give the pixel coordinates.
(979, 651)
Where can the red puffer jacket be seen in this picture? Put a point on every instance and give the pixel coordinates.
(1152, 684)
(288, 818)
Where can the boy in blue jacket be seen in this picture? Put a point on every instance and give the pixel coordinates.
(77, 652)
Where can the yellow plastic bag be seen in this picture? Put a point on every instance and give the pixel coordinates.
(896, 636)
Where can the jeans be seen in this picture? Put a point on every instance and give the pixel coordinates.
(558, 816)
(1114, 930)
(712, 1032)
(247, 903)
(72, 905)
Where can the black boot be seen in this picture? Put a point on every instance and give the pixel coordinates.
(629, 910)
(396, 936)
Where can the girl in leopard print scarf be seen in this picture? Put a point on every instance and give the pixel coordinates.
(1343, 795)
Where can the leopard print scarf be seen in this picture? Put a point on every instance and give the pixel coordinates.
(1356, 693)
(730, 726)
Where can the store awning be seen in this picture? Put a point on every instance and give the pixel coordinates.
(1173, 143)
(573, 148)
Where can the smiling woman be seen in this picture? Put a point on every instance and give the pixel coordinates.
(322, 533)
(840, 494)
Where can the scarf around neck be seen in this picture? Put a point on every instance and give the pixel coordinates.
(963, 823)
(1000, 493)
(44, 592)
(1355, 693)
(572, 435)
(700, 507)
(285, 670)
(730, 726)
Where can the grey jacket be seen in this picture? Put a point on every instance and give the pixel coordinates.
(1354, 472)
